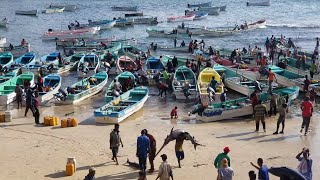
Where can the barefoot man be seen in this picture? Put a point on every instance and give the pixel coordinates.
(115, 141)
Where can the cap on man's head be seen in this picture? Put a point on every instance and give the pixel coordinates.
(226, 150)
(164, 156)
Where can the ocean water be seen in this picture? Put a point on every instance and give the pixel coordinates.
(297, 19)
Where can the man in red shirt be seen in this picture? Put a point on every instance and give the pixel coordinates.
(174, 113)
(153, 150)
(271, 78)
(306, 85)
(307, 110)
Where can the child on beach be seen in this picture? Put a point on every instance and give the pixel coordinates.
(174, 113)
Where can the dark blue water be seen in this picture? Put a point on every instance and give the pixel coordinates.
(297, 19)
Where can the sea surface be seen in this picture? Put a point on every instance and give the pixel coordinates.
(298, 19)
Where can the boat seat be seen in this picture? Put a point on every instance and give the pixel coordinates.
(9, 88)
(6, 91)
(139, 92)
(130, 101)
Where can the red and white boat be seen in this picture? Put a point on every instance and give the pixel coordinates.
(125, 63)
(181, 18)
(77, 33)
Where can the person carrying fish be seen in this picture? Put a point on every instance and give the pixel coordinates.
(179, 149)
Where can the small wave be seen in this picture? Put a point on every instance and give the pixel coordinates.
(294, 25)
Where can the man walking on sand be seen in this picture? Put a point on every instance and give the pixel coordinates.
(179, 149)
(165, 169)
(260, 111)
(115, 141)
(153, 150)
(307, 110)
(218, 159)
(143, 148)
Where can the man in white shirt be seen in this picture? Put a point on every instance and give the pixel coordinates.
(165, 169)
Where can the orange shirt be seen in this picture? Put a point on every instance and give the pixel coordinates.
(263, 62)
(271, 76)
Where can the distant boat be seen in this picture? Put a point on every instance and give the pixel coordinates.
(205, 4)
(210, 10)
(133, 14)
(103, 24)
(28, 13)
(257, 3)
(181, 18)
(68, 8)
(78, 33)
(53, 10)
(4, 22)
(123, 106)
(124, 8)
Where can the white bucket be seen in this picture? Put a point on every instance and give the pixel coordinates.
(73, 161)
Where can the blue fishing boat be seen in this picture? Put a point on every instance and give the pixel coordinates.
(26, 59)
(123, 106)
(51, 58)
(6, 60)
(51, 86)
(153, 68)
(121, 78)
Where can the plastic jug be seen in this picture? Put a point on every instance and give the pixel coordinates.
(72, 160)
(69, 169)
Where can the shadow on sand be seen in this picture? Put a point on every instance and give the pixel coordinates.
(236, 135)
(279, 138)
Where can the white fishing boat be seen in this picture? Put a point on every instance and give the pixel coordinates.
(123, 106)
(28, 12)
(210, 10)
(88, 65)
(74, 60)
(85, 88)
(184, 49)
(53, 10)
(165, 34)
(218, 33)
(242, 106)
(68, 8)
(77, 33)
(103, 24)
(4, 22)
(183, 79)
(52, 58)
(51, 86)
(181, 18)
(259, 3)
(144, 20)
(3, 42)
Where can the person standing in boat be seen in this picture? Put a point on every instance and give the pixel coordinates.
(213, 83)
(175, 62)
(267, 44)
(183, 44)
(23, 42)
(116, 88)
(271, 78)
(203, 44)
(190, 50)
(175, 42)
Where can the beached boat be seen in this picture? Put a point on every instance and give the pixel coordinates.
(242, 106)
(181, 60)
(132, 51)
(181, 18)
(26, 59)
(210, 10)
(237, 82)
(103, 24)
(51, 86)
(165, 34)
(90, 41)
(134, 14)
(4, 22)
(123, 106)
(77, 33)
(74, 60)
(124, 8)
(7, 76)
(88, 65)
(51, 58)
(6, 60)
(183, 76)
(125, 63)
(288, 78)
(69, 8)
(53, 10)
(7, 94)
(259, 3)
(121, 78)
(85, 88)
(28, 13)
(203, 84)
(205, 4)
(153, 67)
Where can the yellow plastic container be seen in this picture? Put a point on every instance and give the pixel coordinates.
(64, 123)
(74, 122)
(55, 121)
(69, 122)
(69, 169)
(46, 120)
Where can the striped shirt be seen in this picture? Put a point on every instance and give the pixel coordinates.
(260, 110)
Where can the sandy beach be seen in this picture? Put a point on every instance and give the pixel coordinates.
(33, 152)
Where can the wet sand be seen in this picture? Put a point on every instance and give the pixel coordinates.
(33, 152)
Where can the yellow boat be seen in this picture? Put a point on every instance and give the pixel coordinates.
(204, 80)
